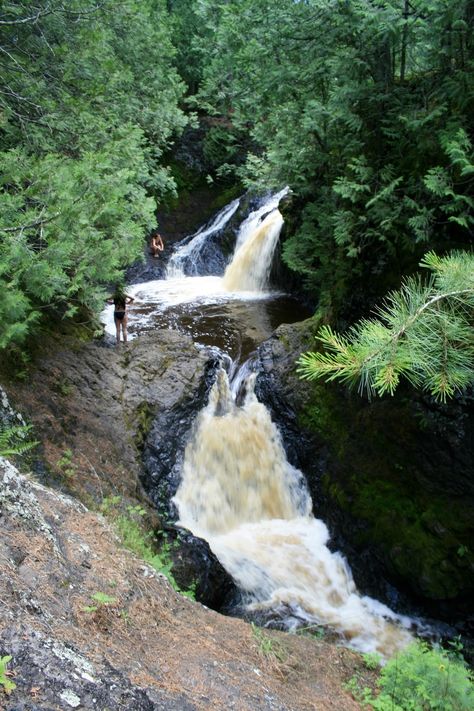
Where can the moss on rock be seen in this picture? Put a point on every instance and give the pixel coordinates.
(378, 473)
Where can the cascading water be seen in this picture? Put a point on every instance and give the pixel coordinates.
(240, 493)
(185, 259)
(173, 301)
(255, 246)
(250, 267)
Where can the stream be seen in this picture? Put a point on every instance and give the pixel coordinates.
(238, 491)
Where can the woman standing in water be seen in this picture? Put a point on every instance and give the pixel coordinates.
(120, 300)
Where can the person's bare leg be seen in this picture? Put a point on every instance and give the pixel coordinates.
(117, 330)
(124, 329)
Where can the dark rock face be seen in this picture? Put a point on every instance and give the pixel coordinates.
(196, 568)
(164, 446)
(194, 564)
(136, 403)
(149, 268)
(392, 479)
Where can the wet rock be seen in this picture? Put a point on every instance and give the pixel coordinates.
(136, 403)
(196, 568)
(92, 407)
(164, 445)
(194, 565)
(392, 479)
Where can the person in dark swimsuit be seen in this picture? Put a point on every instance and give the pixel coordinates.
(120, 300)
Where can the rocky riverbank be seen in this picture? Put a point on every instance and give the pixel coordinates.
(90, 625)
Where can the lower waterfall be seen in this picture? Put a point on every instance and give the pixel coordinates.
(240, 493)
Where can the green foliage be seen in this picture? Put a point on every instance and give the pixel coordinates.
(423, 332)
(423, 678)
(372, 660)
(13, 440)
(365, 110)
(313, 631)
(91, 103)
(269, 647)
(100, 600)
(5, 682)
(141, 542)
(66, 465)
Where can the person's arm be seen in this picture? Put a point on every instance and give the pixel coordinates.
(109, 300)
(129, 299)
(161, 246)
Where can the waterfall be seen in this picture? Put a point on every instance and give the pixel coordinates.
(186, 256)
(254, 249)
(250, 266)
(240, 493)
(256, 242)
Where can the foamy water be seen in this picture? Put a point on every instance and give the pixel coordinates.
(240, 493)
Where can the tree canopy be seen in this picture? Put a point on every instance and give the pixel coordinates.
(363, 107)
(89, 101)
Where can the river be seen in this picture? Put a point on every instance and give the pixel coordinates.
(238, 491)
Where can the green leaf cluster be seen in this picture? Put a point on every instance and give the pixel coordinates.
(14, 440)
(421, 677)
(7, 684)
(365, 110)
(423, 332)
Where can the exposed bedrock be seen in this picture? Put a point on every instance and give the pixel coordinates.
(392, 478)
(98, 408)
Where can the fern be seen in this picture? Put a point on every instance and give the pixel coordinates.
(13, 440)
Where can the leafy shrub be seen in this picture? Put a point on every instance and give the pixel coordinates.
(13, 440)
(424, 679)
(133, 536)
(5, 682)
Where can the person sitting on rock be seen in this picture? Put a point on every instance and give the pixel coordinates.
(120, 300)
(156, 244)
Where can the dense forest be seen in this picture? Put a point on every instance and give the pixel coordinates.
(363, 108)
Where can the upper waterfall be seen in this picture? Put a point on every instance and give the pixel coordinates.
(251, 264)
(258, 235)
(185, 259)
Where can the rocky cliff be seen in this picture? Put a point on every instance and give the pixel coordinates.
(87, 623)
(391, 477)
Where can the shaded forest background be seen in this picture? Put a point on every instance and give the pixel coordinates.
(363, 107)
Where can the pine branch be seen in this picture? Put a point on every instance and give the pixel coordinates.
(423, 333)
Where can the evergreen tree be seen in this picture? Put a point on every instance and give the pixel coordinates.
(365, 110)
(88, 104)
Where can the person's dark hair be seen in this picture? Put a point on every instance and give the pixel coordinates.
(119, 292)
